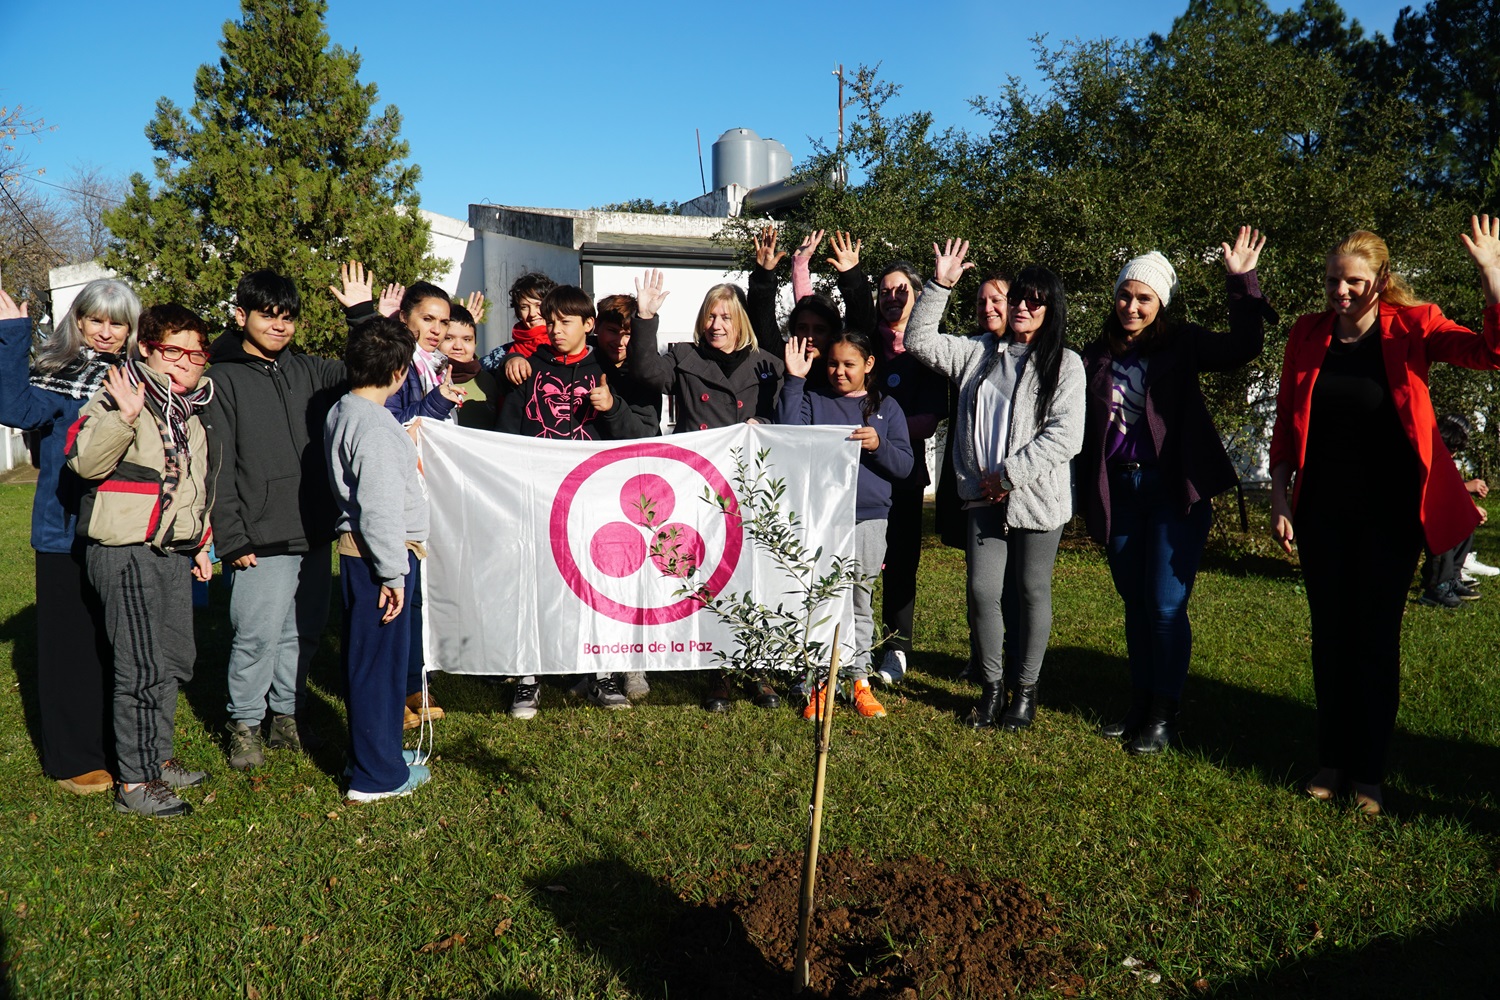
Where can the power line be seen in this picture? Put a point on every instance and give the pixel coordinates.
(29, 224)
(64, 187)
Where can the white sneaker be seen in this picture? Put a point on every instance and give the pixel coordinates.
(892, 668)
(1474, 566)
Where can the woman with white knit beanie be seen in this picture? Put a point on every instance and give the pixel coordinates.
(1151, 461)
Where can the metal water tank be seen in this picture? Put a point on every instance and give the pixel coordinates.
(739, 158)
(778, 161)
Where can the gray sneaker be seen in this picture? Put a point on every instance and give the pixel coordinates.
(177, 776)
(605, 693)
(892, 668)
(283, 734)
(634, 684)
(245, 750)
(154, 800)
(527, 701)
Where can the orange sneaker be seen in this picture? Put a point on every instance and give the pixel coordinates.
(865, 702)
(816, 703)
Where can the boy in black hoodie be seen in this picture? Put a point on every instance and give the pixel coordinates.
(274, 516)
(567, 396)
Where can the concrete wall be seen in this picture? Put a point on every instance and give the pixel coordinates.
(506, 258)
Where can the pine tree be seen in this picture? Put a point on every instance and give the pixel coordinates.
(281, 162)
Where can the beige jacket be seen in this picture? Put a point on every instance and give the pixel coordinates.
(123, 464)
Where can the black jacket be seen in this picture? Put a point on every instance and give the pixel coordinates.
(266, 441)
(553, 403)
(704, 398)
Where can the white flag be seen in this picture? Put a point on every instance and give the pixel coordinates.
(561, 557)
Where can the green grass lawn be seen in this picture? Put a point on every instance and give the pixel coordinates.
(1206, 864)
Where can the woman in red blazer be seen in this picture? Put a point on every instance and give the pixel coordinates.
(1357, 440)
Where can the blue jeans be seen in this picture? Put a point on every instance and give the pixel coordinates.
(1154, 550)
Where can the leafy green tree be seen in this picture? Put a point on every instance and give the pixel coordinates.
(281, 162)
(643, 206)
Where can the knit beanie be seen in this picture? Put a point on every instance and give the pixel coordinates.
(1154, 271)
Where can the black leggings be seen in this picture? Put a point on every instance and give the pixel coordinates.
(74, 669)
(1358, 556)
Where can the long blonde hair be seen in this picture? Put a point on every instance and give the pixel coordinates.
(1372, 250)
(744, 335)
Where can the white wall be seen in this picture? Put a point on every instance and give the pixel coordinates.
(686, 285)
(505, 259)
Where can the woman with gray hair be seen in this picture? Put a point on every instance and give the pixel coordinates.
(44, 395)
(1151, 461)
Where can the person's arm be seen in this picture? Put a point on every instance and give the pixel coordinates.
(232, 538)
(1248, 310)
(618, 419)
(793, 407)
(893, 456)
(859, 301)
(1448, 341)
(1061, 435)
(760, 294)
(22, 404)
(1281, 456)
(105, 427)
(377, 472)
(408, 402)
(643, 362)
(1281, 505)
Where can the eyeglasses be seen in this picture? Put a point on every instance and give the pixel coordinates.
(170, 352)
(1032, 301)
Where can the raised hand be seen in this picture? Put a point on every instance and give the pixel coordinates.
(1484, 245)
(600, 397)
(390, 299)
(867, 436)
(765, 248)
(357, 286)
(798, 357)
(9, 309)
(649, 295)
(845, 253)
(517, 369)
(1243, 256)
(453, 393)
(950, 265)
(809, 246)
(475, 305)
(129, 399)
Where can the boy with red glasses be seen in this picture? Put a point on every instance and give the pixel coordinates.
(141, 445)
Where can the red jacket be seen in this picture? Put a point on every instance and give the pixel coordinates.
(1411, 338)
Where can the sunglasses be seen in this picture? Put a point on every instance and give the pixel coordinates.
(170, 352)
(1032, 301)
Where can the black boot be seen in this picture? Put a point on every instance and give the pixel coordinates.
(983, 714)
(1159, 731)
(1021, 710)
(1127, 727)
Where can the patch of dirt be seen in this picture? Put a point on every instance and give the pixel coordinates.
(908, 929)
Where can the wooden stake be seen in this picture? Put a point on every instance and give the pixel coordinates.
(810, 861)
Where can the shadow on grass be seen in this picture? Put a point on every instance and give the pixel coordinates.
(5, 987)
(1456, 960)
(1273, 737)
(658, 945)
(20, 631)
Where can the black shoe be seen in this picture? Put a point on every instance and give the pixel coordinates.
(1441, 596)
(1463, 591)
(1159, 731)
(718, 696)
(983, 714)
(1021, 710)
(1125, 728)
(764, 695)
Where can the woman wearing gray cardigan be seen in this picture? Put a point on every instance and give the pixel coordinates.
(1020, 422)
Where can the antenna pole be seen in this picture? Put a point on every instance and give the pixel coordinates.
(840, 74)
(701, 180)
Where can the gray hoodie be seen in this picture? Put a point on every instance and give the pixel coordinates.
(372, 467)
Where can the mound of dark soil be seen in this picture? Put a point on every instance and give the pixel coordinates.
(909, 928)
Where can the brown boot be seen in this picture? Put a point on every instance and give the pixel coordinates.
(88, 784)
(431, 712)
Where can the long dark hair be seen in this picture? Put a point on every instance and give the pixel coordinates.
(861, 342)
(1046, 348)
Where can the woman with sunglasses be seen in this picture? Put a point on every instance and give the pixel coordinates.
(1020, 422)
(1152, 460)
(43, 394)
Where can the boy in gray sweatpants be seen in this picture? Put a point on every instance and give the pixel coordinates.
(273, 519)
(141, 444)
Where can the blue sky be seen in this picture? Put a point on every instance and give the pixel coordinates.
(494, 114)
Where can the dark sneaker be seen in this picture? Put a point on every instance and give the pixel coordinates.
(1463, 591)
(717, 699)
(606, 693)
(154, 800)
(634, 684)
(527, 700)
(284, 735)
(245, 749)
(764, 695)
(177, 776)
(1441, 596)
(892, 668)
(417, 775)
